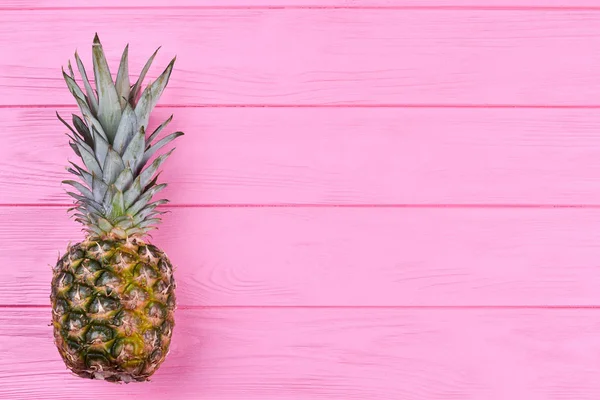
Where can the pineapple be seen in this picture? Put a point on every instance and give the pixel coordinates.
(113, 294)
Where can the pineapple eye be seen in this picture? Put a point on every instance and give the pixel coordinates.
(134, 296)
(62, 282)
(79, 295)
(151, 338)
(76, 321)
(144, 274)
(126, 348)
(76, 253)
(102, 304)
(99, 334)
(108, 279)
(96, 361)
(61, 307)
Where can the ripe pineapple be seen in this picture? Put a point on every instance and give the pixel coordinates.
(112, 294)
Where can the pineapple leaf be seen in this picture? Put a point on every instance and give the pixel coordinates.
(71, 69)
(91, 96)
(66, 124)
(82, 188)
(107, 201)
(89, 160)
(148, 173)
(126, 129)
(151, 95)
(118, 203)
(83, 130)
(75, 148)
(158, 145)
(113, 166)
(101, 146)
(99, 188)
(133, 192)
(124, 179)
(149, 223)
(135, 150)
(104, 225)
(75, 89)
(157, 130)
(109, 113)
(122, 83)
(144, 199)
(148, 210)
(83, 174)
(136, 88)
(135, 231)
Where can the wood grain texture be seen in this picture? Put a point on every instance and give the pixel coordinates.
(316, 4)
(337, 156)
(341, 256)
(333, 354)
(338, 56)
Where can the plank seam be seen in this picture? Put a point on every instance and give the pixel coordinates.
(315, 7)
(325, 205)
(383, 105)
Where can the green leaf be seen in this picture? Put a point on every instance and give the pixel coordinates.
(107, 201)
(86, 176)
(101, 146)
(104, 224)
(109, 109)
(133, 192)
(157, 130)
(148, 173)
(83, 130)
(91, 96)
(118, 204)
(135, 90)
(99, 188)
(122, 83)
(144, 199)
(89, 160)
(124, 179)
(82, 189)
(135, 151)
(71, 70)
(151, 95)
(126, 129)
(75, 89)
(65, 123)
(158, 145)
(113, 166)
(149, 223)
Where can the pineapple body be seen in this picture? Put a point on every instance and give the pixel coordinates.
(113, 309)
(113, 294)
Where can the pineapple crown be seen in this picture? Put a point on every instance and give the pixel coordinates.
(113, 197)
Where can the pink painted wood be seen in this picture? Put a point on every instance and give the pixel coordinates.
(377, 354)
(342, 256)
(338, 156)
(320, 56)
(375, 199)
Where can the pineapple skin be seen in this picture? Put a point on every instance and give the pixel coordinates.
(113, 305)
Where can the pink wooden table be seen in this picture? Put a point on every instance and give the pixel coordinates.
(374, 200)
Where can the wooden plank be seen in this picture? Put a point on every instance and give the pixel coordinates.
(333, 354)
(318, 56)
(340, 256)
(337, 156)
(360, 4)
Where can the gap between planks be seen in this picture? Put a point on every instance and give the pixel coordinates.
(350, 106)
(325, 205)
